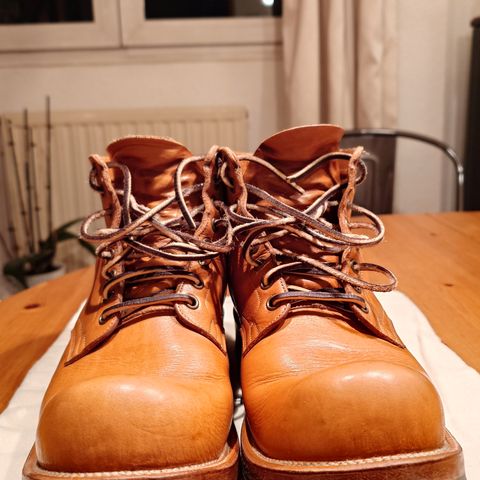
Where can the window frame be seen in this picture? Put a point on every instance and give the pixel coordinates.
(137, 31)
(103, 32)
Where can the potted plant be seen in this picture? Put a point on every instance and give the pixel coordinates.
(39, 266)
(30, 242)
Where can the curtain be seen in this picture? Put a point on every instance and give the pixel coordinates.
(340, 62)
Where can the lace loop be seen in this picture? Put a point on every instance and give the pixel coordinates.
(262, 225)
(139, 233)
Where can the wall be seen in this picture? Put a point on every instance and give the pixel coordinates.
(433, 56)
(252, 77)
(144, 78)
(433, 65)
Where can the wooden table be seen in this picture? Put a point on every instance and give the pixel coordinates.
(435, 256)
(31, 320)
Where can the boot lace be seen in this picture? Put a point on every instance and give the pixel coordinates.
(334, 244)
(138, 233)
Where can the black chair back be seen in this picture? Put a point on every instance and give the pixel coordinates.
(376, 193)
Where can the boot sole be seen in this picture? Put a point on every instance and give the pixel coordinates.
(223, 468)
(445, 463)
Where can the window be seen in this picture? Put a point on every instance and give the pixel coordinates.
(87, 24)
(200, 22)
(45, 11)
(155, 9)
(58, 24)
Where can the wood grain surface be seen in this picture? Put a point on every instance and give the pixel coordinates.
(31, 320)
(436, 258)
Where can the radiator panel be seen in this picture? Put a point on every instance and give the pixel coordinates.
(76, 135)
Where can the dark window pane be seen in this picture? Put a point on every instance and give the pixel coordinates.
(157, 9)
(45, 11)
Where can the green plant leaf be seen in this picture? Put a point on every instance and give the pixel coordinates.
(61, 233)
(16, 268)
(43, 260)
(67, 225)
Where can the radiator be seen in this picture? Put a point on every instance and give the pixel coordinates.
(76, 135)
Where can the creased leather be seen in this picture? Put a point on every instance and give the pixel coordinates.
(151, 392)
(152, 162)
(320, 383)
(290, 150)
(257, 320)
(89, 332)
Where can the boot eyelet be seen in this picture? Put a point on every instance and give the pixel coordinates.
(365, 309)
(102, 320)
(354, 266)
(195, 303)
(270, 306)
(204, 264)
(264, 286)
(215, 223)
(111, 294)
(357, 289)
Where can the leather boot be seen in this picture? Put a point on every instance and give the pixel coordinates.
(330, 390)
(143, 390)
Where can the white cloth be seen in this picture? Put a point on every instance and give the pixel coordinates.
(458, 384)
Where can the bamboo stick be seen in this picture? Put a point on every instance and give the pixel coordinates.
(5, 247)
(23, 211)
(36, 203)
(49, 168)
(28, 181)
(6, 192)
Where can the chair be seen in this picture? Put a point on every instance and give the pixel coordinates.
(376, 193)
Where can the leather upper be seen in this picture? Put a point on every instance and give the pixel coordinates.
(151, 389)
(322, 383)
(154, 391)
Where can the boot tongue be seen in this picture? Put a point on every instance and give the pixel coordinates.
(290, 151)
(300, 144)
(152, 162)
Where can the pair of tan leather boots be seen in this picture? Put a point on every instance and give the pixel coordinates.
(143, 388)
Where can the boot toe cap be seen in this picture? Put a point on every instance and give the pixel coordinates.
(132, 423)
(356, 410)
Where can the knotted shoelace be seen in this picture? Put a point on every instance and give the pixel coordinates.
(259, 225)
(129, 238)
